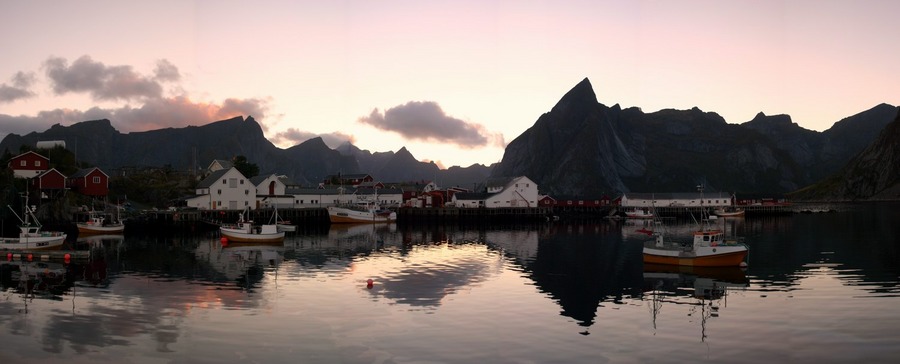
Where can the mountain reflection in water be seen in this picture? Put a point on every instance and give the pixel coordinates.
(556, 292)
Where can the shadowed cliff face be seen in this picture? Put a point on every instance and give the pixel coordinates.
(584, 148)
(872, 174)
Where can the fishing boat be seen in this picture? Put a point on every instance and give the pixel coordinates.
(729, 212)
(367, 213)
(708, 248)
(31, 237)
(282, 224)
(639, 214)
(244, 231)
(98, 223)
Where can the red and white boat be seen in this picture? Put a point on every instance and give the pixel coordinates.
(639, 214)
(709, 248)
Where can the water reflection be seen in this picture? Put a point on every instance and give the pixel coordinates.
(704, 289)
(450, 286)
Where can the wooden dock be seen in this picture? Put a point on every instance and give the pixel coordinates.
(46, 255)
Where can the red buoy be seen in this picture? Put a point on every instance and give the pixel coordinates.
(224, 241)
(370, 283)
(67, 257)
(29, 257)
(9, 256)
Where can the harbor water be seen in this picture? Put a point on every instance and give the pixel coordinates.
(819, 287)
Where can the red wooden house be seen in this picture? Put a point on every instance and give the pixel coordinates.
(28, 165)
(48, 184)
(90, 182)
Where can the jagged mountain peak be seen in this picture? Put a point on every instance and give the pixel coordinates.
(581, 94)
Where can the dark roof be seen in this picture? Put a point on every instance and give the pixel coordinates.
(212, 178)
(86, 171)
(473, 195)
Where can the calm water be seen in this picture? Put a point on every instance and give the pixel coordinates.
(819, 288)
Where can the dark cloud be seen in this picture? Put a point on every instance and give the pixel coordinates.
(166, 71)
(104, 82)
(427, 121)
(20, 88)
(294, 136)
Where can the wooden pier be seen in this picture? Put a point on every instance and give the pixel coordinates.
(46, 255)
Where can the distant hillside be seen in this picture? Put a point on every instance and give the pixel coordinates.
(96, 142)
(873, 174)
(584, 148)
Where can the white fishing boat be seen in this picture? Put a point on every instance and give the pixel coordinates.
(97, 223)
(368, 213)
(31, 237)
(639, 214)
(360, 213)
(708, 248)
(282, 224)
(244, 231)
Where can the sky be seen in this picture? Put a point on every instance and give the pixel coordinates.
(452, 81)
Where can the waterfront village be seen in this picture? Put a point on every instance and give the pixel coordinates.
(222, 192)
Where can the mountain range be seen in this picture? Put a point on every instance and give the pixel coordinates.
(584, 148)
(580, 148)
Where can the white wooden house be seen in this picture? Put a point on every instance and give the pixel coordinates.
(225, 189)
(502, 192)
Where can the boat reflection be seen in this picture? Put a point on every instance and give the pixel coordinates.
(34, 279)
(240, 261)
(703, 289)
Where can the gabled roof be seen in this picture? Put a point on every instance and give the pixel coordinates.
(212, 178)
(226, 164)
(86, 171)
(49, 171)
(29, 152)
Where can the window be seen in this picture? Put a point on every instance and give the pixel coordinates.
(246, 192)
(242, 181)
(232, 182)
(220, 192)
(223, 181)
(37, 163)
(96, 179)
(22, 163)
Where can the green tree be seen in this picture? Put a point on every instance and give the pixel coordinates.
(246, 168)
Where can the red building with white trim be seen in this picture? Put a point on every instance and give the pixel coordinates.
(28, 165)
(90, 182)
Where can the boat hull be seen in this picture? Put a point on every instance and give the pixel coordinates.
(53, 242)
(98, 229)
(340, 215)
(721, 256)
(235, 235)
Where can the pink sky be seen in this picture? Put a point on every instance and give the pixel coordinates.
(451, 81)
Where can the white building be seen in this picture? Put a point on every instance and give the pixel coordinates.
(687, 199)
(501, 192)
(225, 189)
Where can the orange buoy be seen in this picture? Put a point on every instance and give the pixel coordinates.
(370, 283)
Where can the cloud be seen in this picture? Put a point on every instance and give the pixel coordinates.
(20, 88)
(294, 136)
(426, 121)
(106, 83)
(166, 71)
